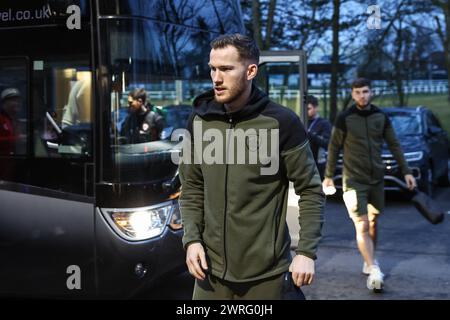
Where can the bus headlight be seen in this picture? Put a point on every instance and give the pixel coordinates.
(141, 223)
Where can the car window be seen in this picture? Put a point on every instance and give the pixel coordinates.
(406, 123)
(432, 121)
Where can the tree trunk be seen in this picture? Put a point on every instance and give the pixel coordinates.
(222, 28)
(269, 27)
(399, 87)
(334, 61)
(447, 63)
(256, 13)
(445, 36)
(398, 66)
(446, 44)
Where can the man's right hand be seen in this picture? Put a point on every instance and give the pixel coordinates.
(196, 260)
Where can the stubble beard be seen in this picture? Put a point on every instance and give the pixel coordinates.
(362, 106)
(233, 93)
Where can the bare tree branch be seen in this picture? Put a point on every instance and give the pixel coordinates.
(269, 26)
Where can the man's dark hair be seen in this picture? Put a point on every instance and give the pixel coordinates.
(312, 100)
(139, 93)
(361, 82)
(246, 46)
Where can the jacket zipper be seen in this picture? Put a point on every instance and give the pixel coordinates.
(370, 150)
(230, 121)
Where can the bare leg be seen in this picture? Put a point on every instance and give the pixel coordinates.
(363, 238)
(373, 215)
(373, 229)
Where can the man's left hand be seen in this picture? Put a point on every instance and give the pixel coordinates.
(302, 269)
(410, 181)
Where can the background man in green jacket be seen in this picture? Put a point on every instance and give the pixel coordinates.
(360, 131)
(234, 214)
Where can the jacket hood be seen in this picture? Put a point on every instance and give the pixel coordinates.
(207, 107)
(371, 109)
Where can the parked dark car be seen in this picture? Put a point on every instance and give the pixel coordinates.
(425, 146)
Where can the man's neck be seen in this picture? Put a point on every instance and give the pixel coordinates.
(366, 107)
(240, 102)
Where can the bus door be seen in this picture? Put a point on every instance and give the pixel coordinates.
(46, 155)
(282, 74)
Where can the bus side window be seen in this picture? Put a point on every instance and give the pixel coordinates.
(64, 127)
(13, 107)
(78, 107)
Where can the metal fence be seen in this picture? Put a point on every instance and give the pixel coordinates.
(379, 87)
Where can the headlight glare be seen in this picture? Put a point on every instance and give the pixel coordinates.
(140, 223)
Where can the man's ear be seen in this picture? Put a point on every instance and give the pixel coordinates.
(252, 70)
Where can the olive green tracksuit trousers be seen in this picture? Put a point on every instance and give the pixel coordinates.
(279, 287)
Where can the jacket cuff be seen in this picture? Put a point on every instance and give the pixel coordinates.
(328, 176)
(406, 171)
(306, 254)
(185, 245)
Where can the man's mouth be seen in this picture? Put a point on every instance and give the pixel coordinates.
(219, 89)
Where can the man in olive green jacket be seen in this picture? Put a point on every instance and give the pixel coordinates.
(234, 211)
(360, 132)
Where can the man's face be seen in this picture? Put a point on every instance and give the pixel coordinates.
(312, 111)
(12, 106)
(229, 74)
(362, 96)
(134, 104)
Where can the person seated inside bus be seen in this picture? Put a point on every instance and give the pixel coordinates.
(11, 140)
(142, 124)
(78, 107)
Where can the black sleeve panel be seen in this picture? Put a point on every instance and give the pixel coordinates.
(292, 130)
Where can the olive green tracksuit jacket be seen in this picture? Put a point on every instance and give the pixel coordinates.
(238, 214)
(361, 134)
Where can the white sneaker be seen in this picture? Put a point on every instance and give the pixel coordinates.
(366, 269)
(375, 279)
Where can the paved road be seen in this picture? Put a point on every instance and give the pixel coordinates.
(414, 254)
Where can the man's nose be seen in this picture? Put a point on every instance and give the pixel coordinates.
(217, 77)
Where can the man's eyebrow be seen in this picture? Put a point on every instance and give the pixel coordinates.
(220, 66)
